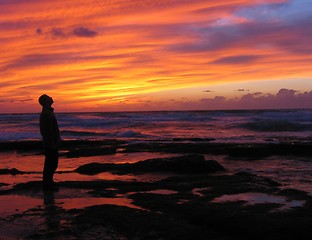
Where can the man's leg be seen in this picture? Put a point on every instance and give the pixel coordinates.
(50, 166)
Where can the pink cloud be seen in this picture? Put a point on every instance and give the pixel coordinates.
(283, 99)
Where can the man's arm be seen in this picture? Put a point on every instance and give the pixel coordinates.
(47, 131)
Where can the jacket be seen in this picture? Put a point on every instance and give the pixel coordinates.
(49, 129)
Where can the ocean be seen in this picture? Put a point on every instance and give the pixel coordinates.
(223, 126)
(245, 126)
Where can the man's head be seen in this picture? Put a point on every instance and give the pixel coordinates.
(45, 100)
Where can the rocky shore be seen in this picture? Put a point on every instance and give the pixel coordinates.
(198, 198)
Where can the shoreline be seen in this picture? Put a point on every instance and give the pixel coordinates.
(183, 145)
(195, 198)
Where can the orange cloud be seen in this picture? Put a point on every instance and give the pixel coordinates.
(89, 53)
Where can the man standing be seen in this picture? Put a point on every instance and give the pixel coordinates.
(51, 140)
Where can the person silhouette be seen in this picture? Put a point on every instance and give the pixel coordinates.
(50, 133)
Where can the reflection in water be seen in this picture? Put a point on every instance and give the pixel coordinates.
(16, 204)
(51, 212)
(71, 203)
(162, 191)
(259, 198)
(199, 191)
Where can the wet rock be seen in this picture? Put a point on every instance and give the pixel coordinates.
(12, 171)
(181, 215)
(95, 168)
(193, 139)
(20, 145)
(249, 177)
(3, 184)
(182, 164)
(138, 224)
(245, 150)
(249, 152)
(90, 151)
(187, 164)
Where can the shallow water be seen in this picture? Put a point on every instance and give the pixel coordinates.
(64, 198)
(33, 165)
(252, 198)
(290, 171)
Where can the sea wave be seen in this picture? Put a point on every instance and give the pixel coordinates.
(221, 125)
(91, 134)
(276, 126)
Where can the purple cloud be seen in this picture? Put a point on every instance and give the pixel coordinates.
(39, 31)
(236, 59)
(274, 31)
(62, 32)
(283, 92)
(242, 90)
(58, 32)
(84, 32)
(283, 99)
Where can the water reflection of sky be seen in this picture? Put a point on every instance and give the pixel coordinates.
(252, 198)
(290, 171)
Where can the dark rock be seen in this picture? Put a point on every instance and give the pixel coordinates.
(181, 215)
(188, 164)
(259, 180)
(3, 184)
(21, 145)
(12, 171)
(249, 152)
(90, 151)
(138, 224)
(293, 193)
(194, 139)
(182, 164)
(94, 168)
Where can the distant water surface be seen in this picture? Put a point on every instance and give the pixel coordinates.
(223, 126)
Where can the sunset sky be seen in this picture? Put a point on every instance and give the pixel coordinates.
(117, 55)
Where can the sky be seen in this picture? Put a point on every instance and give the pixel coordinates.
(138, 55)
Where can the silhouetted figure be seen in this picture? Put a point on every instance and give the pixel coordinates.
(51, 140)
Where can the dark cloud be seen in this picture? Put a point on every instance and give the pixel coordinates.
(58, 32)
(39, 31)
(84, 32)
(283, 92)
(283, 99)
(242, 90)
(78, 32)
(34, 60)
(236, 59)
(208, 91)
(215, 100)
(15, 2)
(16, 100)
(22, 100)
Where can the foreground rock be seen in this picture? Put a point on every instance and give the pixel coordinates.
(181, 207)
(182, 164)
(12, 171)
